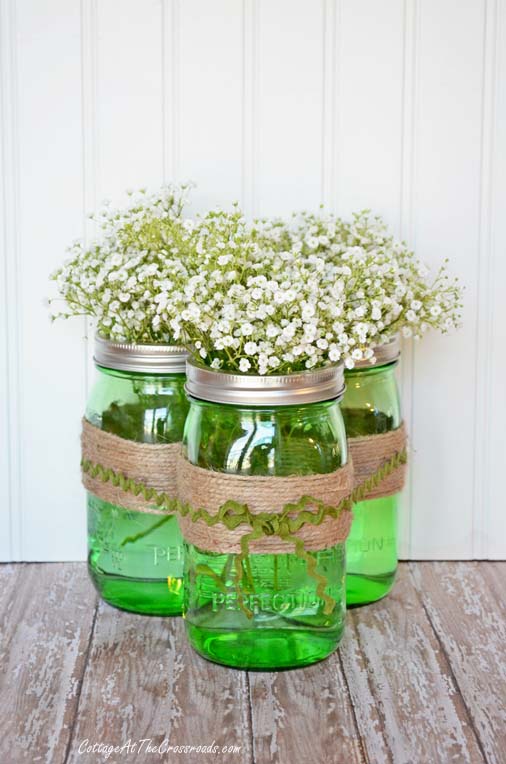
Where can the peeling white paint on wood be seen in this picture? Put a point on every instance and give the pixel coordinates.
(419, 677)
(144, 681)
(470, 622)
(299, 715)
(419, 710)
(46, 630)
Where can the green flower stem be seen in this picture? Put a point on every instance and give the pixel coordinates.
(143, 534)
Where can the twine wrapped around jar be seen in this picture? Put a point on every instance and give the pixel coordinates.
(280, 508)
(310, 512)
(128, 463)
(369, 452)
(296, 514)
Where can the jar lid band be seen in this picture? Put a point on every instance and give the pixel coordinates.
(145, 359)
(270, 390)
(387, 353)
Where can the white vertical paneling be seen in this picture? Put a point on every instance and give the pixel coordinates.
(10, 508)
(494, 521)
(51, 357)
(483, 359)
(130, 108)
(210, 99)
(289, 114)
(170, 89)
(370, 107)
(250, 101)
(397, 106)
(331, 97)
(410, 87)
(447, 198)
(89, 78)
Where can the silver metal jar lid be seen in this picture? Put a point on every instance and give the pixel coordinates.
(383, 354)
(147, 359)
(273, 389)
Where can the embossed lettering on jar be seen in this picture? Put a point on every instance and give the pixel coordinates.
(265, 612)
(371, 407)
(135, 550)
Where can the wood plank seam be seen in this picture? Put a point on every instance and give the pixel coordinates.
(447, 659)
(17, 570)
(363, 750)
(353, 625)
(485, 572)
(81, 683)
(409, 706)
(249, 711)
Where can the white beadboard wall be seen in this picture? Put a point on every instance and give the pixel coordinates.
(281, 104)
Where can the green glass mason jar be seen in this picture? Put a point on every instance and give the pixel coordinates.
(136, 557)
(371, 406)
(267, 614)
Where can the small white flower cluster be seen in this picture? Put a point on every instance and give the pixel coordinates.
(261, 299)
(387, 289)
(253, 309)
(125, 281)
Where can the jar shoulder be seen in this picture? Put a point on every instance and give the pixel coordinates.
(280, 441)
(371, 404)
(146, 410)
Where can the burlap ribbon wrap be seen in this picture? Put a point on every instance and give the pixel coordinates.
(267, 501)
(370, 452)
(153, 465)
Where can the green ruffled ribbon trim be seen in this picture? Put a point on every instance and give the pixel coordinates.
(232, 514)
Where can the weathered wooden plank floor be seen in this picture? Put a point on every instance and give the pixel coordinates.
(420, 678)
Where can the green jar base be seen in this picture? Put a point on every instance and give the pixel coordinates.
(269, 650)
(144, 596)
(362, 590)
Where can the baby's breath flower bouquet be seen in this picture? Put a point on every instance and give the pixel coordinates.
(253, 309)
(124, 280)
(272, 297)
(387, 289)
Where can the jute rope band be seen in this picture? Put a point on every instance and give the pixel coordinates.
(307, 512)
(368, 453)
(153, 465)
(264, 497)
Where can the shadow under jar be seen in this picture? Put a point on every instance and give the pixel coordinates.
(264, 613)
(371, 406)
(135, 557)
